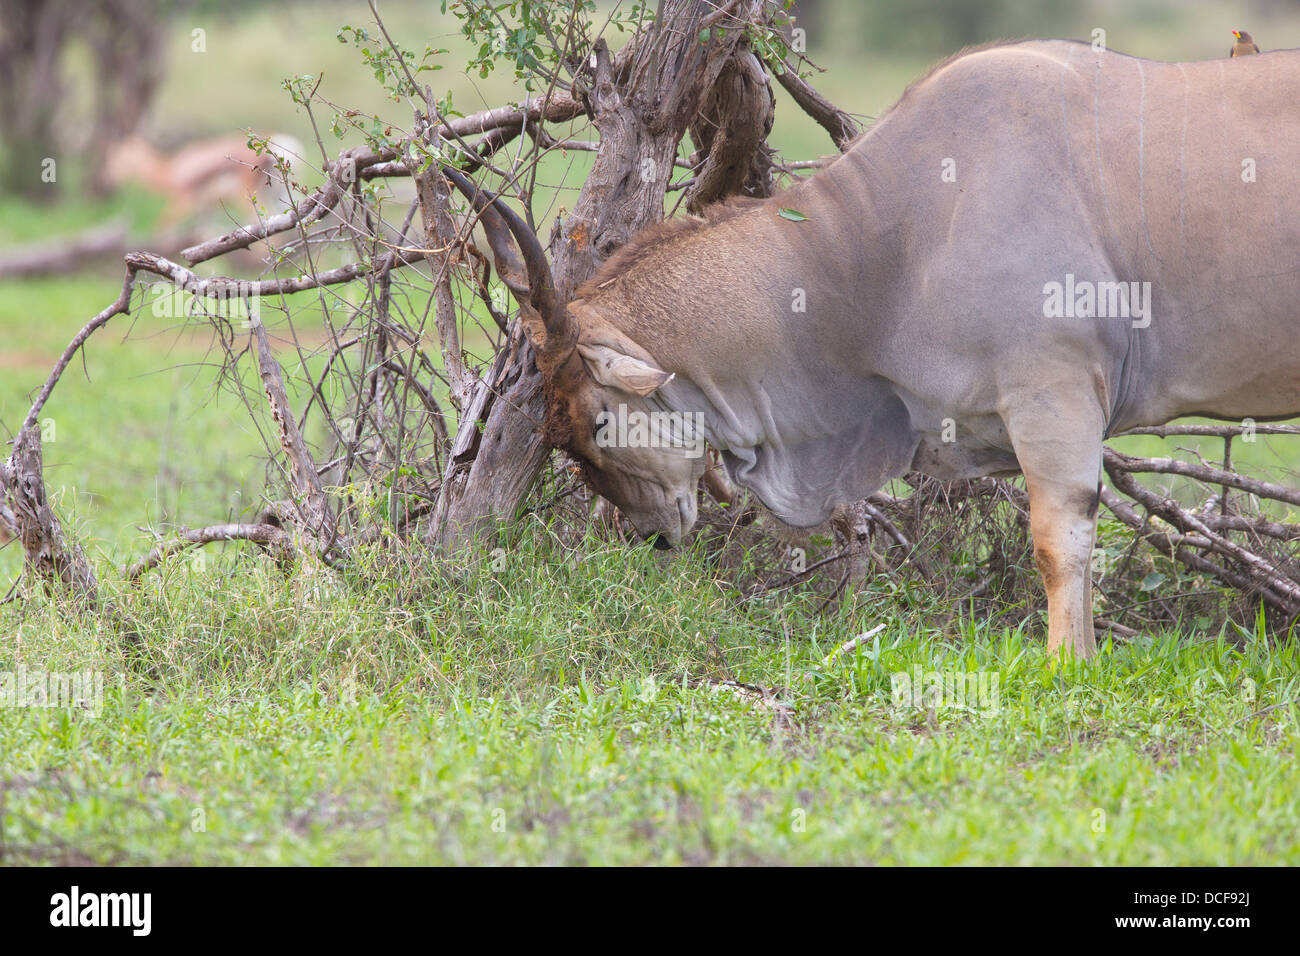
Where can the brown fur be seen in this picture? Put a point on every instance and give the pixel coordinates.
(1049, 568)
(558, 427)
(660, 236)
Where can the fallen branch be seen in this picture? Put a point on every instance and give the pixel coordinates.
(48, 555)
(263, 534)
(1252, 572)
(55, 256)
(852, 644)
(881, 519)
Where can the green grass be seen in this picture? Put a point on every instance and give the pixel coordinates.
(561, 709)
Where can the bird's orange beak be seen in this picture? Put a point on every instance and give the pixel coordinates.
(1237, 34)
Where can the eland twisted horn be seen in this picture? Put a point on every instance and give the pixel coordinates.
(561, 331)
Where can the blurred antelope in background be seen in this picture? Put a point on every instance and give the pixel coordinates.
(206, 175)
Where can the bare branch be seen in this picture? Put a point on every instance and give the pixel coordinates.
(1210, 431)
(222, 287)
(1256, 573)
(264, 534)
(311, 501)
(440, 230)
(1116, 462)
(842, 127)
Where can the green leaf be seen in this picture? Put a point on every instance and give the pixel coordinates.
(1152, 581)
(794, 215)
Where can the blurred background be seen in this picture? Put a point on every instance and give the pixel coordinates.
(146, 435)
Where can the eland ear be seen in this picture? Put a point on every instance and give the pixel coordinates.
(617, 370)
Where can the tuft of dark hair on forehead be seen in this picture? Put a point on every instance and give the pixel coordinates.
(557, 426)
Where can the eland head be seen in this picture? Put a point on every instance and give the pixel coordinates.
(601, 388)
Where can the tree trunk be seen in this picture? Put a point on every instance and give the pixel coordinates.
(642, 107)
(32, 34)
(126, 37)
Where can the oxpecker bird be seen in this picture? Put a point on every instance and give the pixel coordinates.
(1245, 44)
